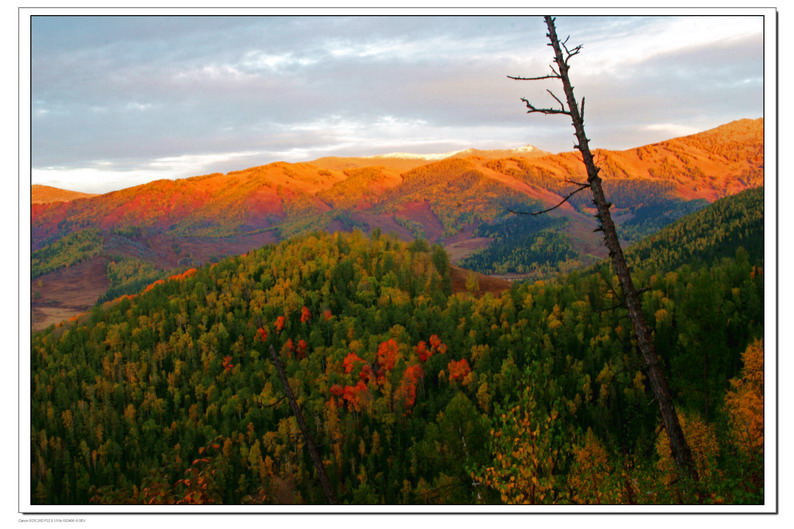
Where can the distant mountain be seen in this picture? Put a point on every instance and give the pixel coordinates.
(40, 194)
(460, 200)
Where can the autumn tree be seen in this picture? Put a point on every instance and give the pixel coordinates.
(570, 107)
(744, 403)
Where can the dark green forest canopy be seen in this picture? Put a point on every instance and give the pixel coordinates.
(717, 231)
(411, 392)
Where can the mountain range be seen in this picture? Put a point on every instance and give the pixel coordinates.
(88, 247)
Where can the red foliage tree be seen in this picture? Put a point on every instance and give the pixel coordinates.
(354, 395)
(407, 390)
(366, 373)
(388, 352)
(437, 345)
(423, 352)
(458, 370)
(302, 349)
(288, 347)
(306, 315)
(227, 363)
(350, 362)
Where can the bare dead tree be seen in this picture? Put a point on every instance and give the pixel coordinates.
(307, 436)
(661, 390)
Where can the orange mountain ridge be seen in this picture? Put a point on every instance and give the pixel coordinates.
(40, 194)
(707, 165)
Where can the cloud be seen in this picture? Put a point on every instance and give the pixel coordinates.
(671, 129)
(140, 91)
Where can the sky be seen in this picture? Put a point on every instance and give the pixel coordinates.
(120, 101)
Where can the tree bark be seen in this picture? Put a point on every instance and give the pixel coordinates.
(313, 453)
(658, 381)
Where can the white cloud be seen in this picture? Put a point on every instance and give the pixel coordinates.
(92, 180)
(185, 164)
(134, 105)
(259, 60)
(214, 72)
(671, 129)
(106, 175)
(609, 53)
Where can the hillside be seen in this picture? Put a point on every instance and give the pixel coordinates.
(40, 194)
(714, 232)
(415, 395)
(459, 201)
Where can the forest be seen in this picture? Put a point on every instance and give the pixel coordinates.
(413, 393)
(535, 246)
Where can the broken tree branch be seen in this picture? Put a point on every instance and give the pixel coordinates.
(556, 98)
(517, 78)
(564, 200)
(577, 183)
(532, 109)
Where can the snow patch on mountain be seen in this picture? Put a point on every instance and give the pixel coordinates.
(443, 155)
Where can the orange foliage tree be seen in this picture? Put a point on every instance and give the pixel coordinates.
(702, 440)
(458, 370)
(745, 403)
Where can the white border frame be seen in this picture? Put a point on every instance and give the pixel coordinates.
(770, 261)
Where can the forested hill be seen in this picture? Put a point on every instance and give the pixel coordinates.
(711, 233)
(414, 395)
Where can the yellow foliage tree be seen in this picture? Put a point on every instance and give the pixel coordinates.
(591, 478)
(702, 440)
(744, 403)
(524, 470)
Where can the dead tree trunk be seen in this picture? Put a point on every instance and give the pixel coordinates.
(313, 453)
(658, 381)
